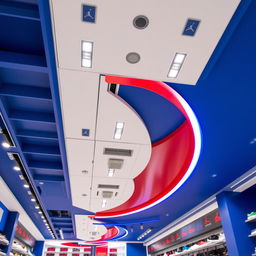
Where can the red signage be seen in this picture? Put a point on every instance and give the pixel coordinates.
(24, 236)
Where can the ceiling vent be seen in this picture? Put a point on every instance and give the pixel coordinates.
(94, 233)
(117, 152)
(107, 194)
(108, 186)
(115, 163)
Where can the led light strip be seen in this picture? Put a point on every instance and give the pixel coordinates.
(19, 167)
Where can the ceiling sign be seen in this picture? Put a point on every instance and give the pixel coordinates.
(191, 27)
(208, 222)
(89, 13)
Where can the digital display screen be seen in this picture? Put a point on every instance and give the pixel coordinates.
(24, 236)
(202, 225)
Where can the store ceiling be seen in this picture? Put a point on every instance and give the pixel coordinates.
(223, 101)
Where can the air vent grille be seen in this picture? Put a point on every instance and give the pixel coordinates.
(107, 194)
(117, 152)
(115, 163)
(108, 186)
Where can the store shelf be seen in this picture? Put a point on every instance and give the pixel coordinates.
(201, 247)
(251, 219)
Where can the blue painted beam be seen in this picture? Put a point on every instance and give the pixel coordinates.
(49, 166)
(48, 178)
(21, 61)
(37, 135)
(19, 10)
(23, 91)
(40, 150)
(19, 115)
(45, 15)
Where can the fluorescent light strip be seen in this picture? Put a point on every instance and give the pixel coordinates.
(118, 130)
(111, 172)
(61, 234)
(145, 233)
(104, 203)
(176, 65)
(87, 49)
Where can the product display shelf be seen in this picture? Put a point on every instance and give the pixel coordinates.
(253, 219)
(252, 235)
(201, 247)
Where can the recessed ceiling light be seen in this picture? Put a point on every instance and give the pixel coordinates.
(16, 168)
(37, 207)
(41, 183)
(104, 203)
(118, 130)
(33, 199)
(214, 175)
(176, 65)
(6, 145)
(111, 172)
(87, 48)
(26, 186)
(44, 220)
(40, 212)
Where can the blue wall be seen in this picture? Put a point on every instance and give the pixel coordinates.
(136, 249)
(4, 217)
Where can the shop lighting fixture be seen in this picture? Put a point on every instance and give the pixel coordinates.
(145, 233)
(26, 186)
(104, 203)
(33, 200)
(37, 207)
(16, 168)
(87, 49)
(176, 65)
(61, 234)
(118, 130)
(111, 172)
(7, 141)
(40, 212)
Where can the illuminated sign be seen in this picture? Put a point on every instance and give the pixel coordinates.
(202, 225)
(24, 236)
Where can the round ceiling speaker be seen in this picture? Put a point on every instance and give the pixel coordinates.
(140, 22)
(133, 57)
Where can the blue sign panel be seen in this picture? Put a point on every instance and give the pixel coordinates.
(85, 132)
(89, 13)
(191, 27)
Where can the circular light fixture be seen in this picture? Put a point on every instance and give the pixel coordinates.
(133, 57)
(37, 207)
(33, 199)
(140, 22)
(41, 183)
(40, 212)
(26, 186)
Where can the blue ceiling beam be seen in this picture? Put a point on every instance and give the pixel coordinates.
(18, 10)
(22, 61)
(13, 90)
(63, 219)
(47, 166)
(37, 135)
(19, 115)
(40, 150)
(48, 178)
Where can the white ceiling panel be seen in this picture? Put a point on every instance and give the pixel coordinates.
(124, 192)
(80, 155)
(132, 165)
(79, 97)
(113, 109)
(86, 230)
(80, 191)
(114, 35)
